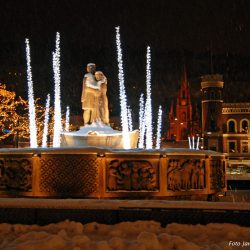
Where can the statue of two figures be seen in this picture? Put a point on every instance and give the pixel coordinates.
(94, 97)
(96, 131)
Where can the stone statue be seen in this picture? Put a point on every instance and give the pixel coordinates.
(94, 96)
(97, 131)
(103, 99)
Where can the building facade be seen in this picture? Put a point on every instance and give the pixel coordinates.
(225, 126)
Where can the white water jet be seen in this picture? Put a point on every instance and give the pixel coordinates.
(130, 121)
(197, 143)
(57, 101)
(158, 134)
(46, 122)
(123, 97)
(141, 122)
(148, 108)
(189, 143)
(32, 111)
(67, 120)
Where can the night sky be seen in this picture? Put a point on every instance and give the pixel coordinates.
(205, 35)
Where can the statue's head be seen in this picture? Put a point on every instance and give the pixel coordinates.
(99, 75)
(91, 68)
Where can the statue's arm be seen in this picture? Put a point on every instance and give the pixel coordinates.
(90, 83)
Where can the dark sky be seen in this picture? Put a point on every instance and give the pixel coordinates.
(176, 24)
(178, 31)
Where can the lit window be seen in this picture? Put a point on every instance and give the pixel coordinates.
(244, 146)
(244, 126)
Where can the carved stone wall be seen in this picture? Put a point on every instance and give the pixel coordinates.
(132, 175)
(185, 174)
(16, 174)
(217, 174)
(93, 174)
(68, 174)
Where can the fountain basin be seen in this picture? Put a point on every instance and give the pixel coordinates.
(98, 135)
(91, 172)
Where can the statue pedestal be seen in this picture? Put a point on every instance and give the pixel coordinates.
(98, 135)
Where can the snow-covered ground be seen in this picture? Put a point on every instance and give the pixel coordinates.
(140, 235)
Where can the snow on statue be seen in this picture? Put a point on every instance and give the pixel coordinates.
(94, 98)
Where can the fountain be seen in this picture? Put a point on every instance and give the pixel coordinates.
(97, 132)
(100, 162)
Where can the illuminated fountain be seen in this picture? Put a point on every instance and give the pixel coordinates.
(141, 122)
(32, 112)
(97, 131)
(46, 122)
(67, 119)
(148, 106)
(57, 100)
(158, 135)
(99, 162)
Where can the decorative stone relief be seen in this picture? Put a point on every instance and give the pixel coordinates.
(16, 174)
(217, 174)
(69, 174)
(185, 174)
(132, 175)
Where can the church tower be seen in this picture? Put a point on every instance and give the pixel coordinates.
(212, 86)
(180, 123)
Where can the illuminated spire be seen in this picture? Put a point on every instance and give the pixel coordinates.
(46, 121)
(141, 122)
(130, 121)
(57, 101)
(67, 120)
(158, 135)
(32, 111)
(148, 108)
(123, 97)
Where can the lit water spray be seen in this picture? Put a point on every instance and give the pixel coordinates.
(197, 143)
(192, 143)
(189, 143)
(141, 122)
(57, 101)
(158, 135)
(67, 119)
(130, 121)
(32, 111)
(123, 97)
(46, 122)
(148, 108)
